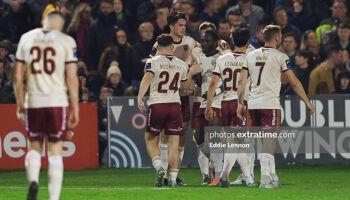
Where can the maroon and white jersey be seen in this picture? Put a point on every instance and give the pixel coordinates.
(207, 68)
(228, 68)
(168, 72)
(265, 66)
(45, 53)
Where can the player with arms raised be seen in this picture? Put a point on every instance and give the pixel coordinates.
(265, 66)
(46, 59)
(228, 68)
(164, 74)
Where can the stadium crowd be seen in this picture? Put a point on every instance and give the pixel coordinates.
(115, 37)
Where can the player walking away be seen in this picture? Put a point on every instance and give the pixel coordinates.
(265, 66)
(164, 74)
(227, 70)
(183, 46)
(46, 59)
(209, 43)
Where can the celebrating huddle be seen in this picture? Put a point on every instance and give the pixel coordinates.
(230, 88)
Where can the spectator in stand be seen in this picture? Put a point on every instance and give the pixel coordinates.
(160, 23)
(146, 11)
(234, 17)
(210, 11)
(302, 67)
(343, 86)
(339, 13)
(281, 19)
(309, 42)
(114, 80)
(102, 122)
(187, 8)
(342, 36)
(258, 40)
(7, 59)
(79, 25)
(289, 44)
(323, 78)
(19, 18)
(224, 30)
(193, 25)
(125, 18)
(6, 91)
(251, 13)
(125, 58)
(131, 92)
(110, 54)
(100, 34)
(141, 51)
(300, 15)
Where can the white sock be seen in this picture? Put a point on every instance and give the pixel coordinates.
(264, 164)
(173, 174)
(229, 162)
(164, 157)
(55, 176)
(32, 164)
(217, 159)
(251, 163)
(243, 161)
(273, 168)
(203, 163)
(181, 155)
(157, 164)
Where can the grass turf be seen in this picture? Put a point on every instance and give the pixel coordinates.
(298, 182)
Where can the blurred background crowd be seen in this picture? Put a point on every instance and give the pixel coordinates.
(114, 39)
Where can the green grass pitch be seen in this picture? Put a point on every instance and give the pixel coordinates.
(298, 182)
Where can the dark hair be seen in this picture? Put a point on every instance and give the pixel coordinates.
(240, 34)
(344, 25)
(106, 1)
(186, 2)
(305, 53)
(174, 16)
(277, 9)
(164, 40)
(194, 18)
(330, 49)
(233, 12)
(223, 21)
(213, 33)
(270, 31)
(290, 34)
(207, 25)
(206, 2)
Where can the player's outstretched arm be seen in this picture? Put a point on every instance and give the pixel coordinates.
(209, 114)
(18, 87)
(298, 89)
(145, 83)
(73, 88)
(243, 78)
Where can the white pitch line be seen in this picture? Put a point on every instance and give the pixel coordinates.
(76, 188)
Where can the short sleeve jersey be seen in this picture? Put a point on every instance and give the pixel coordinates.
(207, 65)
(45, 53)
(168, 72)
(265, 66)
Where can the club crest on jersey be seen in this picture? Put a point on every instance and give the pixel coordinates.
(213, 62)
(289, 66)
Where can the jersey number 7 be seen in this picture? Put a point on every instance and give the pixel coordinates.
(261, 65)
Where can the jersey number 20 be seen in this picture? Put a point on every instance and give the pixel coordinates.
(47, 61)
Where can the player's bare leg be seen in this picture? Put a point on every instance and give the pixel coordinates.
(33, 164)
(163, 145)
(55, 170)
(154, 153)
(173, 146)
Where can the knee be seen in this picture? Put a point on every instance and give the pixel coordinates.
(198, 136)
